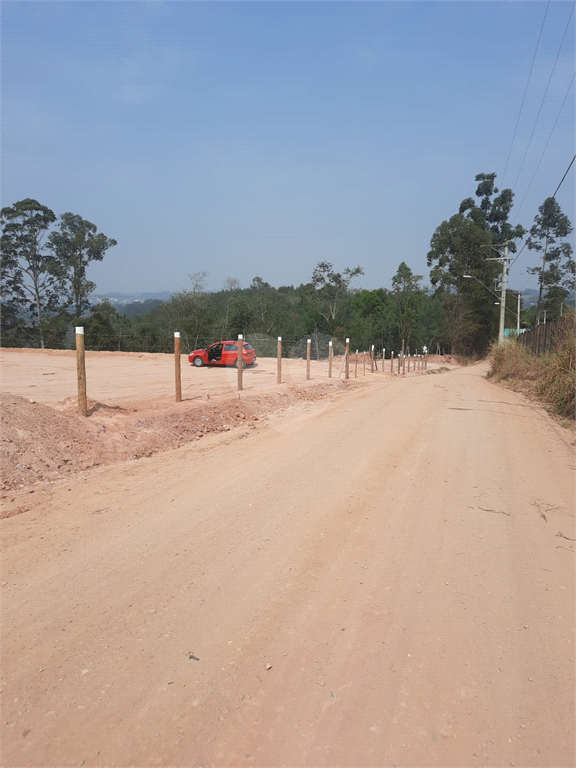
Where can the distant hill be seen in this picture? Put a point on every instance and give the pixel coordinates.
(120, 299)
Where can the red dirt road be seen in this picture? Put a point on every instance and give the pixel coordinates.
(383, 578)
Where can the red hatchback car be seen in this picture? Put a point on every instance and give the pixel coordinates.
(223, 353)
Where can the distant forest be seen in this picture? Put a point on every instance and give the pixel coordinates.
(45, 290)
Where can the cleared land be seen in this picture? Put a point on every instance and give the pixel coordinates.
(381, 573)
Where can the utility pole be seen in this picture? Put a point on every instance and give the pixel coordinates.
(503, 259)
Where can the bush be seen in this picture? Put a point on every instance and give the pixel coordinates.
(551, 377)
(556, 381)
(513, 361)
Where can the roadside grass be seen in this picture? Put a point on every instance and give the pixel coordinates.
(550, 378)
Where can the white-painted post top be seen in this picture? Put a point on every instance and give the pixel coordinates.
(309, 341)
(240, 337)
(329, 343)
(279, 338)
(80, 330)
(347, 341)
(176, 334)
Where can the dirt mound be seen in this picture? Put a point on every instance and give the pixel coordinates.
(39, 443)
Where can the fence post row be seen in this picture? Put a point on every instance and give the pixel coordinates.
(531, 339)
(81, 371)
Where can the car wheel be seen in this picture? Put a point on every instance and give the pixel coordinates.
(236, 363)
(198, 362)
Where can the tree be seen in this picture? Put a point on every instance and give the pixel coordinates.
(74, 246)
(556, 274)
(459, 247)
(188, 312)
(264, 301)
(408, 296)
(104, 327)
(331, 287)
(231, 285)
(29, 281)
(493, 212)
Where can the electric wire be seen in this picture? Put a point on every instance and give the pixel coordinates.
(543, 98)
(565, 174)
(544, 152)
(554, 195)
(525, 92)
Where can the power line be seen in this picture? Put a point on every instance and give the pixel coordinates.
(543, 98)
(544, 152)
(525, 91)
(563, 177)
(554, 195)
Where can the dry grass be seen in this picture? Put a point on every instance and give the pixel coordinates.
(550, 378)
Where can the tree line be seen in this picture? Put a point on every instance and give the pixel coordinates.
(45, 289)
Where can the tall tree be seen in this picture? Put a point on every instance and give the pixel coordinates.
(459, 247)
(408, 295)
(556, 273)
(75, 244)
(493, 212)
(29, 282)
(331, 288)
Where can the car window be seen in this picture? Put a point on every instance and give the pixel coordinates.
(248, 346)
(230, 347)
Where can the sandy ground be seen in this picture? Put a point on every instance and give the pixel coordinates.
(376, 573)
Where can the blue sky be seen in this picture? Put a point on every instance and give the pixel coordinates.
(259, 138)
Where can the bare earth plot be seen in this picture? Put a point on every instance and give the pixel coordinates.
(380, 574)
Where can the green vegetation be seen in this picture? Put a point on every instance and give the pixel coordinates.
(43, 272)
(556, 273)
(45, 290)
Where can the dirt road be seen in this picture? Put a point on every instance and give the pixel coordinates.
(384, 578)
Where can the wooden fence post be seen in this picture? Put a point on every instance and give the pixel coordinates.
(279, 364)
(177, 367)
(81, 372)
(356, 365)
(392, 362)
(372, 359)
(383, 358)
(308, 345)
(329, 359)
(403, 364)
(347, 360)
(240, 359)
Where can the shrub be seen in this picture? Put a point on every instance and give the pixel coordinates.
(551, 377)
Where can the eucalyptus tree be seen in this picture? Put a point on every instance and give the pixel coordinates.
(331, 288)
(30, 283)
(462, 246)
(408, 296)
(556, 273)
(493, 212)
(74, 245)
